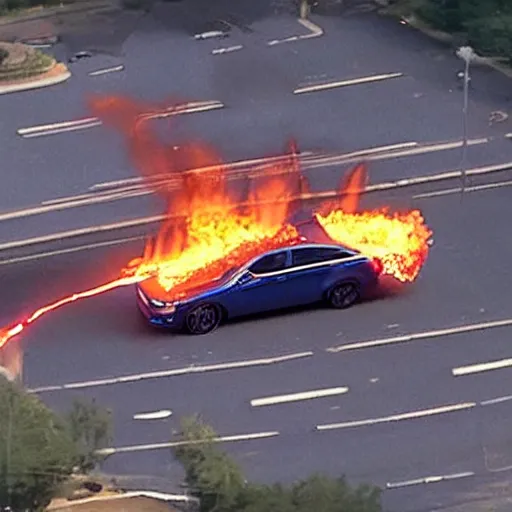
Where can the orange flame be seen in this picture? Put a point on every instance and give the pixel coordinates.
(209, 230)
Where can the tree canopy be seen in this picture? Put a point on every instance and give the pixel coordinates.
(486, 24)
(219, 483)
(39, 450)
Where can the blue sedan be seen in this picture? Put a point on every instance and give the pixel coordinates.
(292, 276)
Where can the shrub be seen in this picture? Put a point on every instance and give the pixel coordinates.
(492, 36)
(3, 55)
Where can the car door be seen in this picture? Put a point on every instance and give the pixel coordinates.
(309, 272)
(262, 287)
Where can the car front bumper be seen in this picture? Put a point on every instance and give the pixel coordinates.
(152, 316)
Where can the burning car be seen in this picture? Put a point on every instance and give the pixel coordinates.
(295, 275)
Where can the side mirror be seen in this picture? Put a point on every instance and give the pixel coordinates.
(245, 278)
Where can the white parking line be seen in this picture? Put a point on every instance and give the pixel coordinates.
(173, 444)
(56, 131)
(422, 335)
(296, 397)
(209, 35)
(398, 417)
(346, 83)
(174, 373)
(494, 401)
(104, 71)
(156, 415)
(429, 480)
(481, 367)
(228, 49)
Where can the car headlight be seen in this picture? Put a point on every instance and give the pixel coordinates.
(166, 308)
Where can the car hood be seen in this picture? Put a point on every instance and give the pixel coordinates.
(152, 289)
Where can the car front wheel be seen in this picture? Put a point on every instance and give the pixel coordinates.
(344, 295)
(203, 319)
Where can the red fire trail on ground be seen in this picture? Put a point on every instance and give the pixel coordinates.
(209, 229)
(11, 332)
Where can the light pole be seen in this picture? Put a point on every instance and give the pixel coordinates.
(467, 54)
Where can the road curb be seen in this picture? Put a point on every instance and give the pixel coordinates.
(37, 83)
(49, 12)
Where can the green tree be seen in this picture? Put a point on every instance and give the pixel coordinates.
(36, 451)
(211, 475)
(219, 484)
(90, 427)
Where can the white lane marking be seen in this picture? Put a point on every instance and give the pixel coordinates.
(104, 71)
(429, 480)
(229, 49)
(415, 149)
(209, 35)
(423, 335)
(314, 31)
(150, 220)
(71, 250)
(176, 372)
(230, 165)
(399, 417)
(476, 188)
(295, 397)
(55, 126)
(346, 83)
(156, 415)
(498, 400)
(63, 130)
(172, 444)
(48, 129)
(481, 367)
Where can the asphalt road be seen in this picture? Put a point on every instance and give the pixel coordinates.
(465, 281)
(261, 112)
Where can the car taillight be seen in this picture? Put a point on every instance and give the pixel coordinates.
(377, 265)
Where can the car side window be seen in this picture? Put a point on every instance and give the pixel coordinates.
(310, 255)
(270, 263)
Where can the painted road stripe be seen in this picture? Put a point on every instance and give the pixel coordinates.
(172, 444)
(424, 335)
(296, 397)
(330, 194)
(40, 130)
(494, 401)
(209, 35)
(481, 367)
(229, 49)
(398, 417)
(175, 372)
(104, 71)
(55, 126)
(59, 252)
(429, 480)
(450, 191)
(156, 415)
(314, 31)
(346, 83)
(57, 131)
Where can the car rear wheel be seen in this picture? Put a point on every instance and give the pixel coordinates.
(203, 319)
(344, 295)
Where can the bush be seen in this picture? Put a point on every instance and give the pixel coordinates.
(441, 14)
(3, 55)
(492, 36)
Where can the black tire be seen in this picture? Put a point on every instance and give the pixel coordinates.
(343, 295)
(203, 319)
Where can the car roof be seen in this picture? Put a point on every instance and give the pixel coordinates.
(305, 245)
